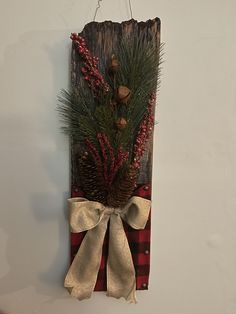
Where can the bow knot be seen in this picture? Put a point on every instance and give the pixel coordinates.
(93, 217)
(112, 210)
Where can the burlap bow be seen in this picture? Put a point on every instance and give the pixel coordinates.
(94, 216)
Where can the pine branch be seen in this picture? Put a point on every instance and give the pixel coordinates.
(91, 116)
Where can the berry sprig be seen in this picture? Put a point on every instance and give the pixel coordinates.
(102, 141)
(89, 69)
(122, 157)
(109, 164)
(145, 130)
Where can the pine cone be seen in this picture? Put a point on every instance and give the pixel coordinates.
(122, 188)
(92, 182)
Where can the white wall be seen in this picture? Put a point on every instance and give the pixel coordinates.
(193, 231)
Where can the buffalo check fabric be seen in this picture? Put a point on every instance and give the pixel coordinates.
(139, 242)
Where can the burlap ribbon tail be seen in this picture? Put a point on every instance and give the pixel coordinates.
(93, 217)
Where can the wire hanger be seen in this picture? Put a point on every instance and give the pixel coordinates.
(99, 5)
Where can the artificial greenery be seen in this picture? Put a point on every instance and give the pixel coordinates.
(86, 113)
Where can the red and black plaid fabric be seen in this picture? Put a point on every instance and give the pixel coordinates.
(139, 242)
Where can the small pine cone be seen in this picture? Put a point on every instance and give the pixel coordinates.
(92, 182)
(122, 188)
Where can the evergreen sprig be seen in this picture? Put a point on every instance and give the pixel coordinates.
(86, 114)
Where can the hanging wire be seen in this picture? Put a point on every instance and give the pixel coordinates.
(97, 8)
(99, 5)
(130, 9)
